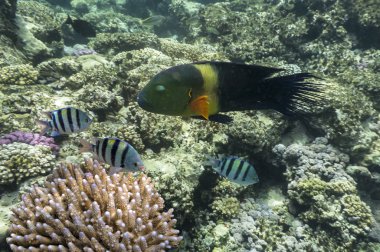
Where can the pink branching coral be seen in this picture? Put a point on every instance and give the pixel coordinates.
(29, 138)
(81, 208)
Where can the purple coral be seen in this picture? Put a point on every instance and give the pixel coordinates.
(84, 51)
(29, 138)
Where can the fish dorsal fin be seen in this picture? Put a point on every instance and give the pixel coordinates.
(200, 106)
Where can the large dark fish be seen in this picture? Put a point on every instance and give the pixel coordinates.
(203, 89)
(82, 27)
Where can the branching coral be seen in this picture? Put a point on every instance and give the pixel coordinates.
(83, 209)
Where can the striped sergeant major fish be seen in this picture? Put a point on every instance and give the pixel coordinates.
(65, 121)
(234, 169)
(119, 154)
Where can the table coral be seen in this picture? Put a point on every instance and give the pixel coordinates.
(81, 207)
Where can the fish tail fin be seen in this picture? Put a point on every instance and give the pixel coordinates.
(44, 126)
(210, 161)
(293, 94)
(86, 146)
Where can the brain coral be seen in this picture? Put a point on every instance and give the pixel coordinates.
(81, 208)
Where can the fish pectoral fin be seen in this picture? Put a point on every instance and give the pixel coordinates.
(220, 118)
(55, 133)
(200, 106)
(113, 170)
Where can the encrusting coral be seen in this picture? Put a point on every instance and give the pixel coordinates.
(18, 75)
(81, 208)
(29, 138)
(19, 161)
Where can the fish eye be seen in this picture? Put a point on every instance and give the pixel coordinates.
(160, 88)
(135, 164)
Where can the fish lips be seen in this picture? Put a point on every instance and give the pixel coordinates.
(143, 103)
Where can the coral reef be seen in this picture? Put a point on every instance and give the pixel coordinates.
(313, 193)
(120, 42)
(20, 160)
(18, 75)
(29, 138)
(321, 192)
(56, 69)
(82, 208)
(39, 30)
(7, 202)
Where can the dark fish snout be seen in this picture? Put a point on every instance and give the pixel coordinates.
(142, 102)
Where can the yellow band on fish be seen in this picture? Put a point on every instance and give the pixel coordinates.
(210, 86)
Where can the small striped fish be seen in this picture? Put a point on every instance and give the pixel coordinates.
(235, 169)
(65, 121)
(115, 152)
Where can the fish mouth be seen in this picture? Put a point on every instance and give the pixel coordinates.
(143, 103)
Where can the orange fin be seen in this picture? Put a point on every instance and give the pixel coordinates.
(200, 106)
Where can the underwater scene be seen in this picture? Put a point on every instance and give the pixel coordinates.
(190, 125)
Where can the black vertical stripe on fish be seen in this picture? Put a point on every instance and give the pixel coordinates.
(239, 169)
(232, 161)
(60, 120)
(97, 148)
(78, 118)
(223, 166)
(54, 119)
(246, 172)
(104, 148)
(70, 119)
(115, 146)
(124, 155)
(247, 87)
